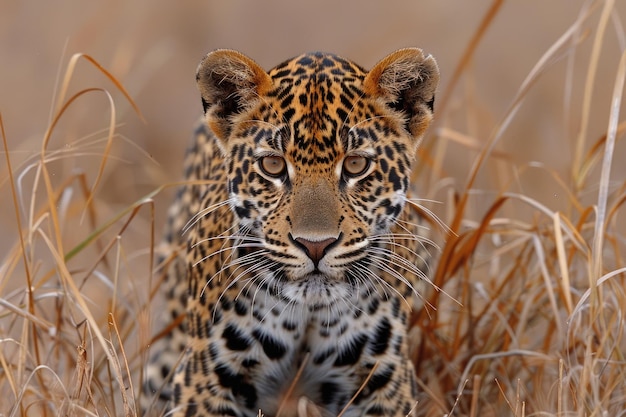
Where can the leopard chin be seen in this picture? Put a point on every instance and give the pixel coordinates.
(317, 289)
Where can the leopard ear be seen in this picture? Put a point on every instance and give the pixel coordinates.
(406, 81)
(229, 83)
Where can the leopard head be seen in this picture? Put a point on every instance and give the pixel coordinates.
(319, 154)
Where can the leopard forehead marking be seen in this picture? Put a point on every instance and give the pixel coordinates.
(297, 261)
(316, 102)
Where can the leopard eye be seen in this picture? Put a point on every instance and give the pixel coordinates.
(355, 165)
(273, 166)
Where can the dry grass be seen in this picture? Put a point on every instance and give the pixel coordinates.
(70, 328)
(533, 324)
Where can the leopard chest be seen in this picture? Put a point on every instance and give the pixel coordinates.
(269, 352)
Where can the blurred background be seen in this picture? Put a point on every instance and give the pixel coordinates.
(153, 46)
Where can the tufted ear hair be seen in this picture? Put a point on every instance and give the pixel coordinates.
(229, 82)
(406, 81)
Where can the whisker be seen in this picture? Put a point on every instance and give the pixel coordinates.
(205, 211)
(250, 266)
(269, 105)
(365, 120)
(418, 255)
(385, 285)
(412, 226)
(234, 238)
(253, 267)
(401, 262)
(240, 238)
(422, 240)
(429, 213)
(382, 262)
(222, 251)
(393, 240)
(266, 281)
(264, 122)
(242, 261)
(345, 120)
(367, 277)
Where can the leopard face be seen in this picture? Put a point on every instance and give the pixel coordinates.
(318, 154)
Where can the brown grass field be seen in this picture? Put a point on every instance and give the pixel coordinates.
(524, 168)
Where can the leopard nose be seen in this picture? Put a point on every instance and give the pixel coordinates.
(315, 249)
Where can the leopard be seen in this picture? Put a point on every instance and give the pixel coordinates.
(293, 255)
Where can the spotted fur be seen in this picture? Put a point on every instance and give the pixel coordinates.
(291, 253)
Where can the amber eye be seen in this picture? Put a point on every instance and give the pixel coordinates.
(273, 166)
(355, 165)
